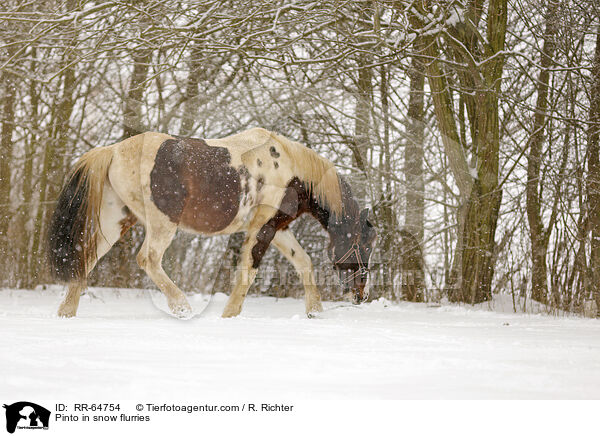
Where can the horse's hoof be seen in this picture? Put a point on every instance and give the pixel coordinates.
(231, 312)
(182, 311)
(314, 308)
(66, 312)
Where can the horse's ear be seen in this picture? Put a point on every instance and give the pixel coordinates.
(367, 230)
(364, 214)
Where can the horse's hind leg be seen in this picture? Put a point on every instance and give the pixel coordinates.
(69, 305)
(114, 222)
(159, 234)
(244, 276)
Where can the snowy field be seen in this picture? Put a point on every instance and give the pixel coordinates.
(121, 342)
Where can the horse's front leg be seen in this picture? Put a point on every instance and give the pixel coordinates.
(253, 249)
(287, 244)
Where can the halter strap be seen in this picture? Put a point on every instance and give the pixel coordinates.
(361, 266)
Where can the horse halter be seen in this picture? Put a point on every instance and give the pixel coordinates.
(362, 269)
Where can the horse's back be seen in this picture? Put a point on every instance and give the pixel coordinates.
(206, 186)
(197, 186)
(243, 141)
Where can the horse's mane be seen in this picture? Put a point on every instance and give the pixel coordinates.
(316, 172)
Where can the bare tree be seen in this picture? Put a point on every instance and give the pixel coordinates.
(593, 180)
(540, 234)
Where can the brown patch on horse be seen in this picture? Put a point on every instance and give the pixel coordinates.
(166, 179)
(127, 223)
(296, 201)
(194, 185)
(274, 152)
(245, 178)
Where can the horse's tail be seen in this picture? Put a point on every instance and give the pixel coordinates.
(76, 220)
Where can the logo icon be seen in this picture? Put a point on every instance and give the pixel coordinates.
(26, 415)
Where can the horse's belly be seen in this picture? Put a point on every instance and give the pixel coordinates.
(195, 186)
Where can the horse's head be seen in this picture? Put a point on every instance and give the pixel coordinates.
(353, 238)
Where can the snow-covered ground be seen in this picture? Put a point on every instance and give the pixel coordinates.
(121, 342)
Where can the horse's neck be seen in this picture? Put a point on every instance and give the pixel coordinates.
(330, 222)
(320, 213)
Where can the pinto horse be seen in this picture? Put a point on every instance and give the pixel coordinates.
(255, 181)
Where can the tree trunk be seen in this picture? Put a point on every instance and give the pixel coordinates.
(132, 115)
(413, 154)
(411, 247)
(9, 91)
(26, 209)
(6, 151)
(362, 125)
(362, 114)
(481, 215)
(593, 181)
(413, 277)
(385, 212)
(478, 245)
(538, 234)
(191, 106)
(480, 196)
